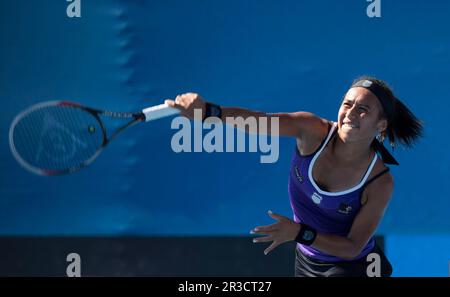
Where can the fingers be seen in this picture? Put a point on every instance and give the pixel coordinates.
(178, 99)
(185, 98)
(275, 216)
(263, 229)
(271, 247)
(269, 228)
(170, 102)
(188, 100)
(275, 232)
(267, 239)
(263, 239)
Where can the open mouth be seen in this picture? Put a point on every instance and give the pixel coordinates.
(350, 125)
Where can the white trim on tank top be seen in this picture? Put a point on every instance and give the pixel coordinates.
(311, 165)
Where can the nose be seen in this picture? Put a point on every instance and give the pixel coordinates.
(351, 113)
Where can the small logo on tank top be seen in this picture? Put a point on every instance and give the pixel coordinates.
(344, 208)
(297, 174)
(316, 198)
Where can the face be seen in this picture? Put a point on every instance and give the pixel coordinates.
(359, 116)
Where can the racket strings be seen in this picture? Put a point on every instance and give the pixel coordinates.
(57, 138)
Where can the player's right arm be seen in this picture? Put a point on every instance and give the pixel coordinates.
(295, 124)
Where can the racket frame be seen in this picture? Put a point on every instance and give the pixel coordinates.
(135, 118)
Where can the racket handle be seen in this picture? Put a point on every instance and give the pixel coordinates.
(159, 111)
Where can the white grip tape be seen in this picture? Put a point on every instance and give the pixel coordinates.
(159, 111)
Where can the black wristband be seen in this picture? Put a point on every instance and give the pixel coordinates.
(212, 110)
(306, 235)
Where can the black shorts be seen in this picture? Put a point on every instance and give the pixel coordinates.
(308, 267)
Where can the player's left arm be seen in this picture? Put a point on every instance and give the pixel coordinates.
(377, 197)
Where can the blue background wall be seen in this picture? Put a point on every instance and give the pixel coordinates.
(263, 55)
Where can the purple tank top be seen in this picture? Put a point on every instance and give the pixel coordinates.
(327, 212)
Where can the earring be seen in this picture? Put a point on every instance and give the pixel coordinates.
(380, 137)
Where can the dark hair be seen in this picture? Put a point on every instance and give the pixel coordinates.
(403, 126)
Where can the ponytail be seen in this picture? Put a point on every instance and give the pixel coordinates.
(403, 126)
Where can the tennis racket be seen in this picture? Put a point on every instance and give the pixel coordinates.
(61, 137)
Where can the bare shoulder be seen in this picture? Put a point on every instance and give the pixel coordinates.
(312, 134)
(299, 124)
(317, 127)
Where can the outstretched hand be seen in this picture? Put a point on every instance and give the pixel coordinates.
(187, 103)
(282, 231)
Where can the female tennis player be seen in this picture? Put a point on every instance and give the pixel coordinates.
(339, 184)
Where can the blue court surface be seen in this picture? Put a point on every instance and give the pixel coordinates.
(259, 54)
